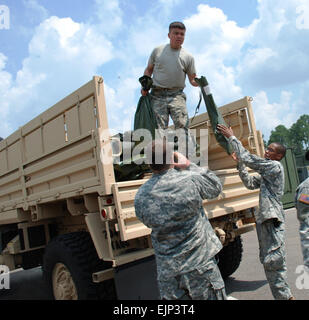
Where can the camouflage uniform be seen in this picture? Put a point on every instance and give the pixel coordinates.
(302, 206)
(185, 244)
(173, 103)
(270, 216)
(170, 102)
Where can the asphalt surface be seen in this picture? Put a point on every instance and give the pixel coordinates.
(247, 283)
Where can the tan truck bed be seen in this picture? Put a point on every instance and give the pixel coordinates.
(55, 159)
(56, 155)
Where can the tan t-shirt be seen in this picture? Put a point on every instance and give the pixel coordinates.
(171, 66)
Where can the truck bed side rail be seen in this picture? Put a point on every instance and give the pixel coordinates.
(128, 224)
(57, 155)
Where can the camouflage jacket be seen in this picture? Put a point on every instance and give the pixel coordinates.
(302, 200)
(270, 181)
(171, 204)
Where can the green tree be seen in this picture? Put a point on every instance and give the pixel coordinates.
(297, 137)
(299, 133)
(280, 134)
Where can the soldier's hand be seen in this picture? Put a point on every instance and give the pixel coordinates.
(180, 161)
(227, 132)
(234, 157)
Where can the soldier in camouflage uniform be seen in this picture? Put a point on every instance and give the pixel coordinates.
(169, 65)
(270, 216)
(302, 206)
(185, 244)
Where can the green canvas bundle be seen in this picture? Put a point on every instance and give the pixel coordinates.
(144, 116)
(214, 114)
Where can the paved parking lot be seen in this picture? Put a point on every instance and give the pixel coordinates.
(247, 283)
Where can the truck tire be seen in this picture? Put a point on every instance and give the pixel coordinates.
(230, 257)
(68, 263)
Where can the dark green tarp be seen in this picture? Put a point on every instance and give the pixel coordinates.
(132, 171)
(144, 119)
(144, 116)
(214, 114)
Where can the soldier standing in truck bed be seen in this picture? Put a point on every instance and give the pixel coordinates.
(270, 216)
(185, 244)
(168, 65)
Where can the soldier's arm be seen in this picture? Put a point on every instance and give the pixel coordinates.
(251, 182)
(192, 79)
(208, 184)
(149, 70)
(262, 166)
(302, 203)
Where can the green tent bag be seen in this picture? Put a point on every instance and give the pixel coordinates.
(215, 116)
(144, 119)
(125, 171)
(144, 116)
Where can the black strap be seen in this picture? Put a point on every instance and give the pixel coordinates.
(197, 109)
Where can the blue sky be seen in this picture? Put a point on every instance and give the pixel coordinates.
(255, 48)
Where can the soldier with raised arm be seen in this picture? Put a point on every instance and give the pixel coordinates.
(185, 244)
(165, 74)
(270, 216)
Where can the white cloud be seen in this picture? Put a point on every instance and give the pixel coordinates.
(109, 16)
(269, 115)
(5, 83)
(121, 105)
(216, 43)
(278, 53)
(59, 61)
(63, 54)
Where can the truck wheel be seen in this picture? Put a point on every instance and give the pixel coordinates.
(68, 264)
(230, 257)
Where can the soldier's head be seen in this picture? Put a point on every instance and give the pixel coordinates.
(159, 156)
(275, 151)
(176, 34)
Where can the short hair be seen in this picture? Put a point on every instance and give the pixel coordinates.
(307, 155)
(178, 25)
(281, 149)
(159, 155)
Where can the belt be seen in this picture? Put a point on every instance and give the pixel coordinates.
(166, 89)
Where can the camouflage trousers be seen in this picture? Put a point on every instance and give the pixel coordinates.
(172, 103)
(272, 256)
(304, 239)
(204, 283)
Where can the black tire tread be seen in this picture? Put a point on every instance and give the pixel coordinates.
(230, 257)
(77, 252)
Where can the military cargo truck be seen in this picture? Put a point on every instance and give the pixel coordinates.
(291, 180)
(302, 166)
(61, 207)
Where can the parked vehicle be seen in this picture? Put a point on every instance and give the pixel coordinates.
(61, 206)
